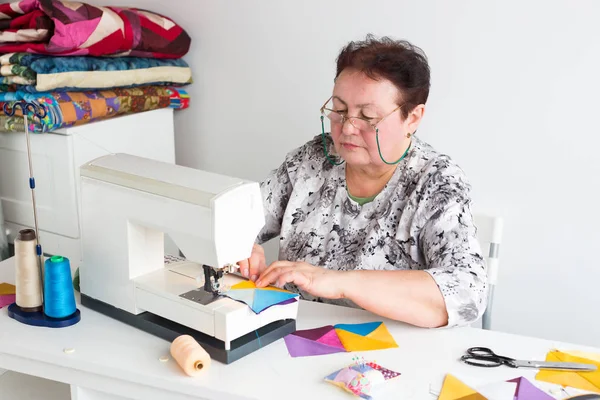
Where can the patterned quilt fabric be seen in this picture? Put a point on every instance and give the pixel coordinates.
(66, 109)
(69, 28)
(40, 73)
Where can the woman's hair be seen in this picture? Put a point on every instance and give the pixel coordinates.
(398, 61)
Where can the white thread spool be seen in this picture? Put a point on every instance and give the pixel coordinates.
(28, 282)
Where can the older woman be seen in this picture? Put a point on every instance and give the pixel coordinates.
(370, 215)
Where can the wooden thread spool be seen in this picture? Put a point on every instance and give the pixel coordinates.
(190, 356)
(28, 282)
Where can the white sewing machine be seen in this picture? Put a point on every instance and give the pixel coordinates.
(128, 203)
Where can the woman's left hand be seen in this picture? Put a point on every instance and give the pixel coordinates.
(317, 281)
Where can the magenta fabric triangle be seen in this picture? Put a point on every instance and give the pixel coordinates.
(528, 391)
(301, 347)
(331, 338)
(7, 299)
(387, 373)
(314, 334)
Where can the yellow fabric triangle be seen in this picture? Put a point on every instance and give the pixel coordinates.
(341, 385)
(474, 396)
(275, 289)
(583, 354)
(244, 285)
(7, 288)
(250, 285)
(581, 380)
(381, 333)
(353, 342)
(454, 389)
(338, 383)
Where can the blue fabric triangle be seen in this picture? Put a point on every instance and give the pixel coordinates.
(331, 377)
(266, 298)
(363, 369)
(243, 295)
(359, 329)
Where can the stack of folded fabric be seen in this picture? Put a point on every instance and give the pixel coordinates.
(83, 63)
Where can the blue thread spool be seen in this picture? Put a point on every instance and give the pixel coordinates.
(59, 296)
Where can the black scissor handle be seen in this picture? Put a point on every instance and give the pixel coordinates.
(485, 357)
(488, 353)
(480, 361)
(481, 351)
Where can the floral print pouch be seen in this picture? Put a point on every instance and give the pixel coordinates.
(360, 378)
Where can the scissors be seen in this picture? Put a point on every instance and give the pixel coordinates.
(484, 357)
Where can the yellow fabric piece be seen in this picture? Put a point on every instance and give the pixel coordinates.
(474, 396)
(251, 285)
(580, 380)
(353, 342)
(382, 334)
(244, 285)
(583, 354)
(7, 288)
(342, 385)
(454, 389)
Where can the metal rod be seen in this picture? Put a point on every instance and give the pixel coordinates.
(38, 247)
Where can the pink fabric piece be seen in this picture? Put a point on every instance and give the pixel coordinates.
(387, 374)
(69, 12)
(332, 339)
(28, 6)
(301, 347)
(316, 333)
(346, 375)
(6, 300)
(74, 35)
(72, 24)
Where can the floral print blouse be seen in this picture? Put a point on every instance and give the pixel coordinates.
(421, 220)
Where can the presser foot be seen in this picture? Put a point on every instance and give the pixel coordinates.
(213, 279)
(213, 285)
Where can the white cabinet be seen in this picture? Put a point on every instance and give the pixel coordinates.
(56, 159)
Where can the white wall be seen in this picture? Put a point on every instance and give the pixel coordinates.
(514, 100)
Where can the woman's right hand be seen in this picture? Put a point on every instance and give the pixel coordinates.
(255, 265)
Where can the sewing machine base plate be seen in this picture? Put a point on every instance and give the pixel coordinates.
(169, 330)
(200, 296)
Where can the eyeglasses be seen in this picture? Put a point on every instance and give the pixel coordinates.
(365, 125)
(360, 123)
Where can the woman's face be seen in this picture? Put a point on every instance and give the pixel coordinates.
(357, 95)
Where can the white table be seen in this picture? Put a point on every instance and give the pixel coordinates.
(115, 361)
